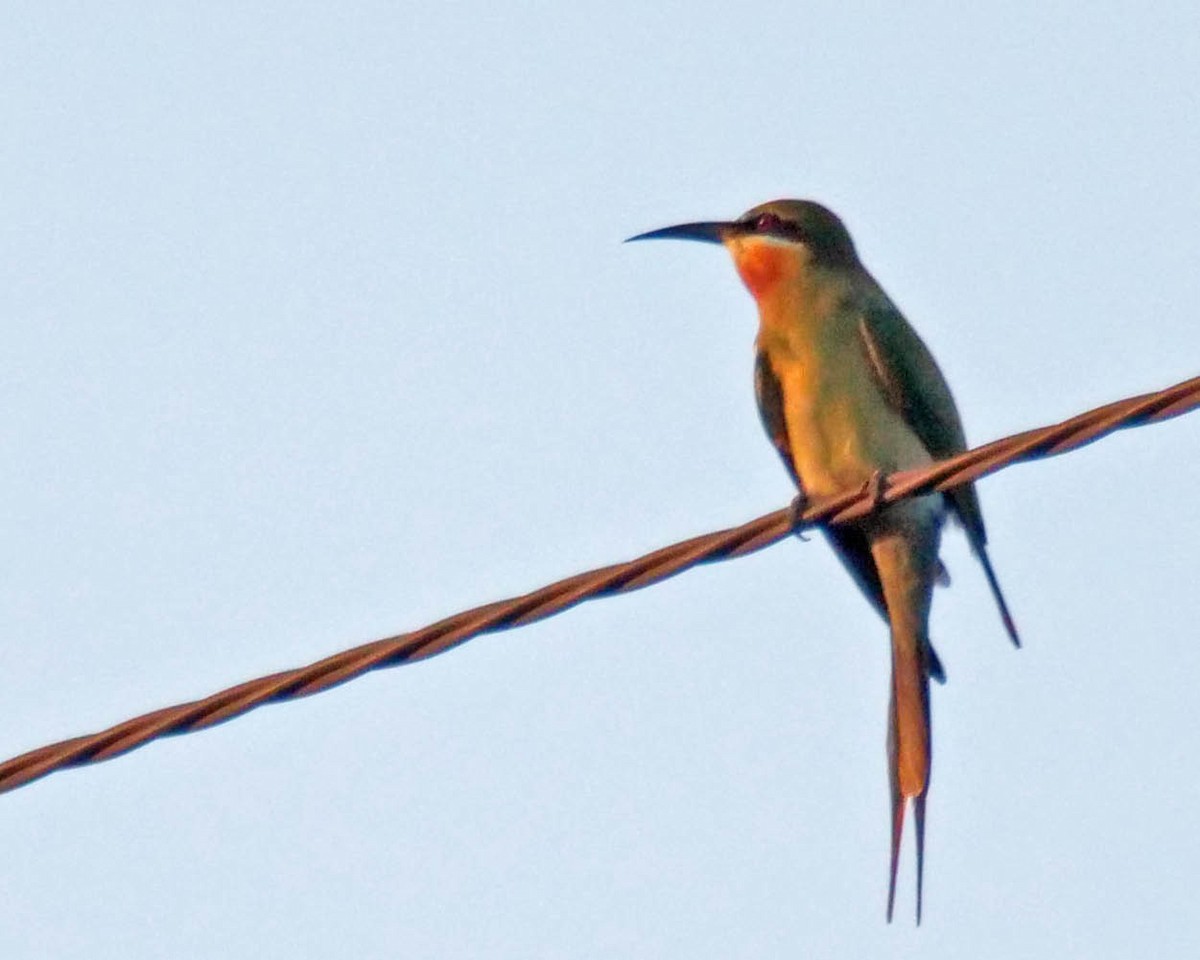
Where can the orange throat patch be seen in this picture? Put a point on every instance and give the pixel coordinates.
(762, 265)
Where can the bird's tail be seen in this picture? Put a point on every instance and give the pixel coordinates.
(1010, 625)
(908, 749)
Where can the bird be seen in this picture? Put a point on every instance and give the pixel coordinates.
(848, 392)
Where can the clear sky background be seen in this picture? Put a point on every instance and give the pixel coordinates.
(316, 326)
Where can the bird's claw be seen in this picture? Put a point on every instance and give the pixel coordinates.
(873, 489)
(796, 516)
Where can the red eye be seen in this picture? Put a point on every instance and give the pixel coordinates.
(767, 223)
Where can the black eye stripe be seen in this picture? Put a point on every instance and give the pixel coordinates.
(774, 225)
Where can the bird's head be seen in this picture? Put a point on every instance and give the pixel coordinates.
(774, 242)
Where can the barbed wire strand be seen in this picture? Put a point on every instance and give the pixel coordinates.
(618, 578)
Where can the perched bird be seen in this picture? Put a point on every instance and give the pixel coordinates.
(847, 392)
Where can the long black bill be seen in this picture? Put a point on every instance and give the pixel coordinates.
(710, 231)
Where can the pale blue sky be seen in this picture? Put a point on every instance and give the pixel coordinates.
(317, 327)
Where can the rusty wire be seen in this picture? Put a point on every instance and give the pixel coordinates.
(618, 578)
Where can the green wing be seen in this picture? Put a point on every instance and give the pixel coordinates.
(913, 384)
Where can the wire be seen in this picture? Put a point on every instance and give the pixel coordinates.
(618, 578)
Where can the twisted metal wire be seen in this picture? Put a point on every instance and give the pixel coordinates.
(618, 578)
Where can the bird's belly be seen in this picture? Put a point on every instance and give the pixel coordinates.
(841, 431)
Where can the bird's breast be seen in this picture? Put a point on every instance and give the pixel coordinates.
(841, 428)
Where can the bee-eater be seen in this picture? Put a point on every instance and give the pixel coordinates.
(847, 391)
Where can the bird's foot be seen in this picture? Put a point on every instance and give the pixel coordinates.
(796, 516)
(873, 489)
